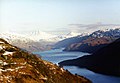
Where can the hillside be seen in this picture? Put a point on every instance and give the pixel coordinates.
(105, 61)
(89, 45)
(68, 41)
(94, 41)
(18, 66)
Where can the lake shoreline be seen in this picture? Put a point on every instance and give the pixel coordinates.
(57, 55)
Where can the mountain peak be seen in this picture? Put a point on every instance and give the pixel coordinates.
(38, 35)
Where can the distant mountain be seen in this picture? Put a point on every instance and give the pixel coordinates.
(68, 41)
(62, 37)
(105, 61)
(24, 42)
(39, 35)
(18, 66)
(106, 33)
(72, 34)
(34, 40)
(89, 45)
(94, 41)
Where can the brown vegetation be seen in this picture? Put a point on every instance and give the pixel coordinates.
(18, 66)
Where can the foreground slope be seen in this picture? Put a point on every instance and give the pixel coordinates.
(18, 66)
(105, 61)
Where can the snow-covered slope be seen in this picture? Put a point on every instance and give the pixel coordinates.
(49, 36)
(24, 42)
(106, 33)
(44, 36)
(72, 34)
(62, 37)
(39, 35)
(14, 36)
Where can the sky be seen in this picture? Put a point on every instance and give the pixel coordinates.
(52, 15)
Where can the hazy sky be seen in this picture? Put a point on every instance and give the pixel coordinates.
(48, 15)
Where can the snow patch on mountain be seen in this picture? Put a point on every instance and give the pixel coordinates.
(72, 34)
(44, 36)
(39, 35)
(64, 36)
(107, 33)
(10, 37)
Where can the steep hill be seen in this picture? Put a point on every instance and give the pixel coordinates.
(106, 60)
(18, 66)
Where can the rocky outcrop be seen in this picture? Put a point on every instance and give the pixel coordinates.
(18, 66)
(105, 61)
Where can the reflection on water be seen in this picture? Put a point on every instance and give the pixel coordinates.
(94, 77)
(58, 55)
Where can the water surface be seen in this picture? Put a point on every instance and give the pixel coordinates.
(58, 55)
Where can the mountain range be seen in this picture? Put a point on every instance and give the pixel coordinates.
(34, 40)
(89, 43)
(71, 41)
